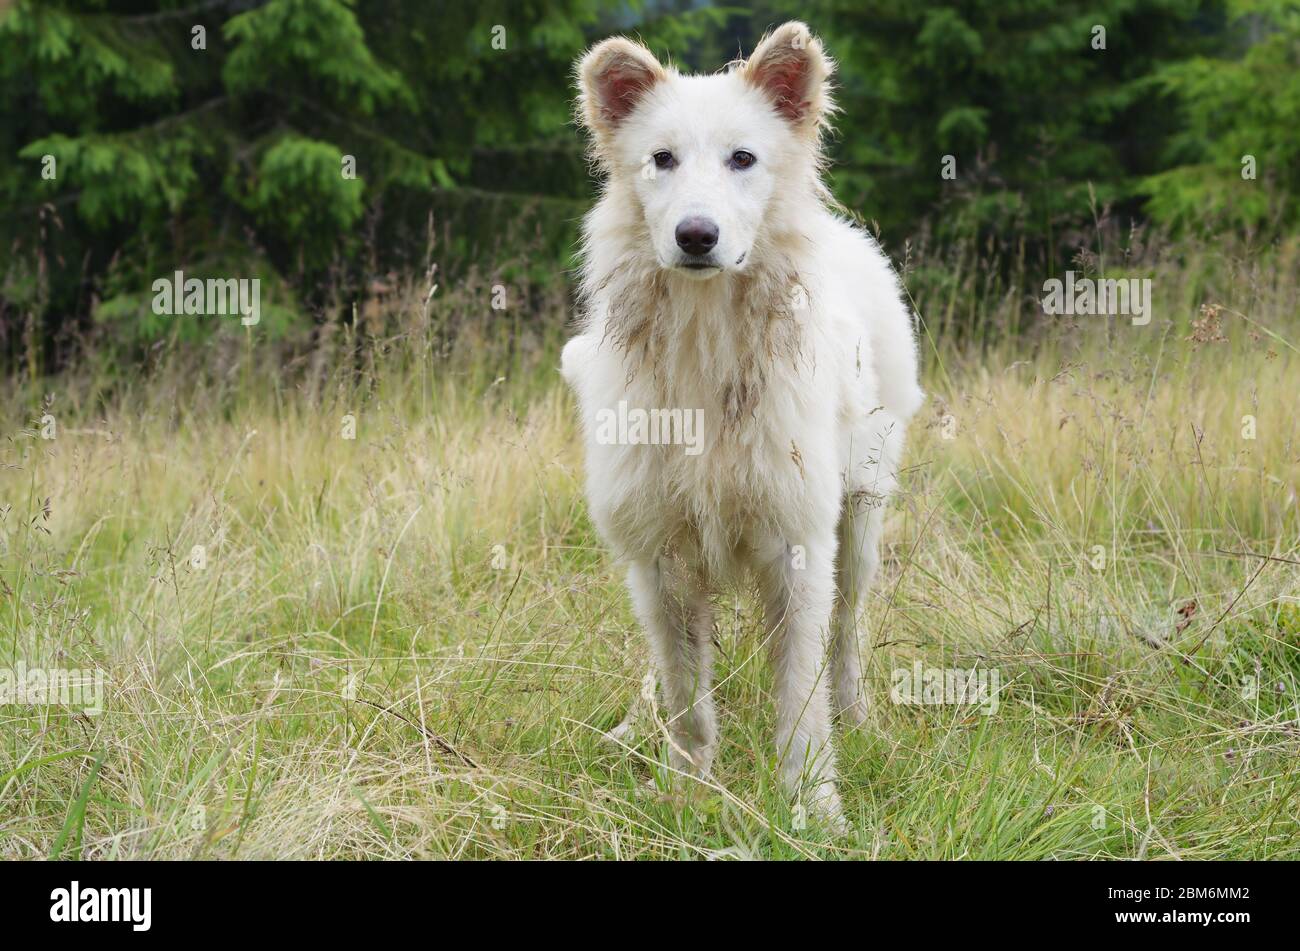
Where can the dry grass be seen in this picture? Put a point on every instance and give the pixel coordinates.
(358, 670)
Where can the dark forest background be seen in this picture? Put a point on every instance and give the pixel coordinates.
(216, 136)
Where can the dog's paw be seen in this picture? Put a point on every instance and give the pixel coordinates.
(824, 808)
(830, 816)
(628, 733)
(619, 738)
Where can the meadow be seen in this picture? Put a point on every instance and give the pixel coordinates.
(350, 605)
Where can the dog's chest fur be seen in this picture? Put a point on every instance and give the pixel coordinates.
(745, 354)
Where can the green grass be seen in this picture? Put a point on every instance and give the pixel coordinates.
(408, 644)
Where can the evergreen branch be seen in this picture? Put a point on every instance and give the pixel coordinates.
(172, 14)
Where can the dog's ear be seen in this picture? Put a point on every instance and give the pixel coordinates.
(612, 78)
(790, 67)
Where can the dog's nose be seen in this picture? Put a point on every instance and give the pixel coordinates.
(697, 235)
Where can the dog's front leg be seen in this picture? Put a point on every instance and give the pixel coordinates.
(678, 622)
(797, 598)
(861, 526)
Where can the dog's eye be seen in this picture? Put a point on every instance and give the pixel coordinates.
(740, 159)
(663, 159)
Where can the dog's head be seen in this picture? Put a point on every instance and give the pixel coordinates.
(712, 160)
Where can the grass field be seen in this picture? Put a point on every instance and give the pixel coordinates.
(407, 643)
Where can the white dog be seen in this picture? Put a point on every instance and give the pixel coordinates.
(719, 285)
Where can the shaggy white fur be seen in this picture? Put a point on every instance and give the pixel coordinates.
(788, 332)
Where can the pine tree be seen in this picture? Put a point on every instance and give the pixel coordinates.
(236, 141)
(1235, 162)
(1004, 116)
